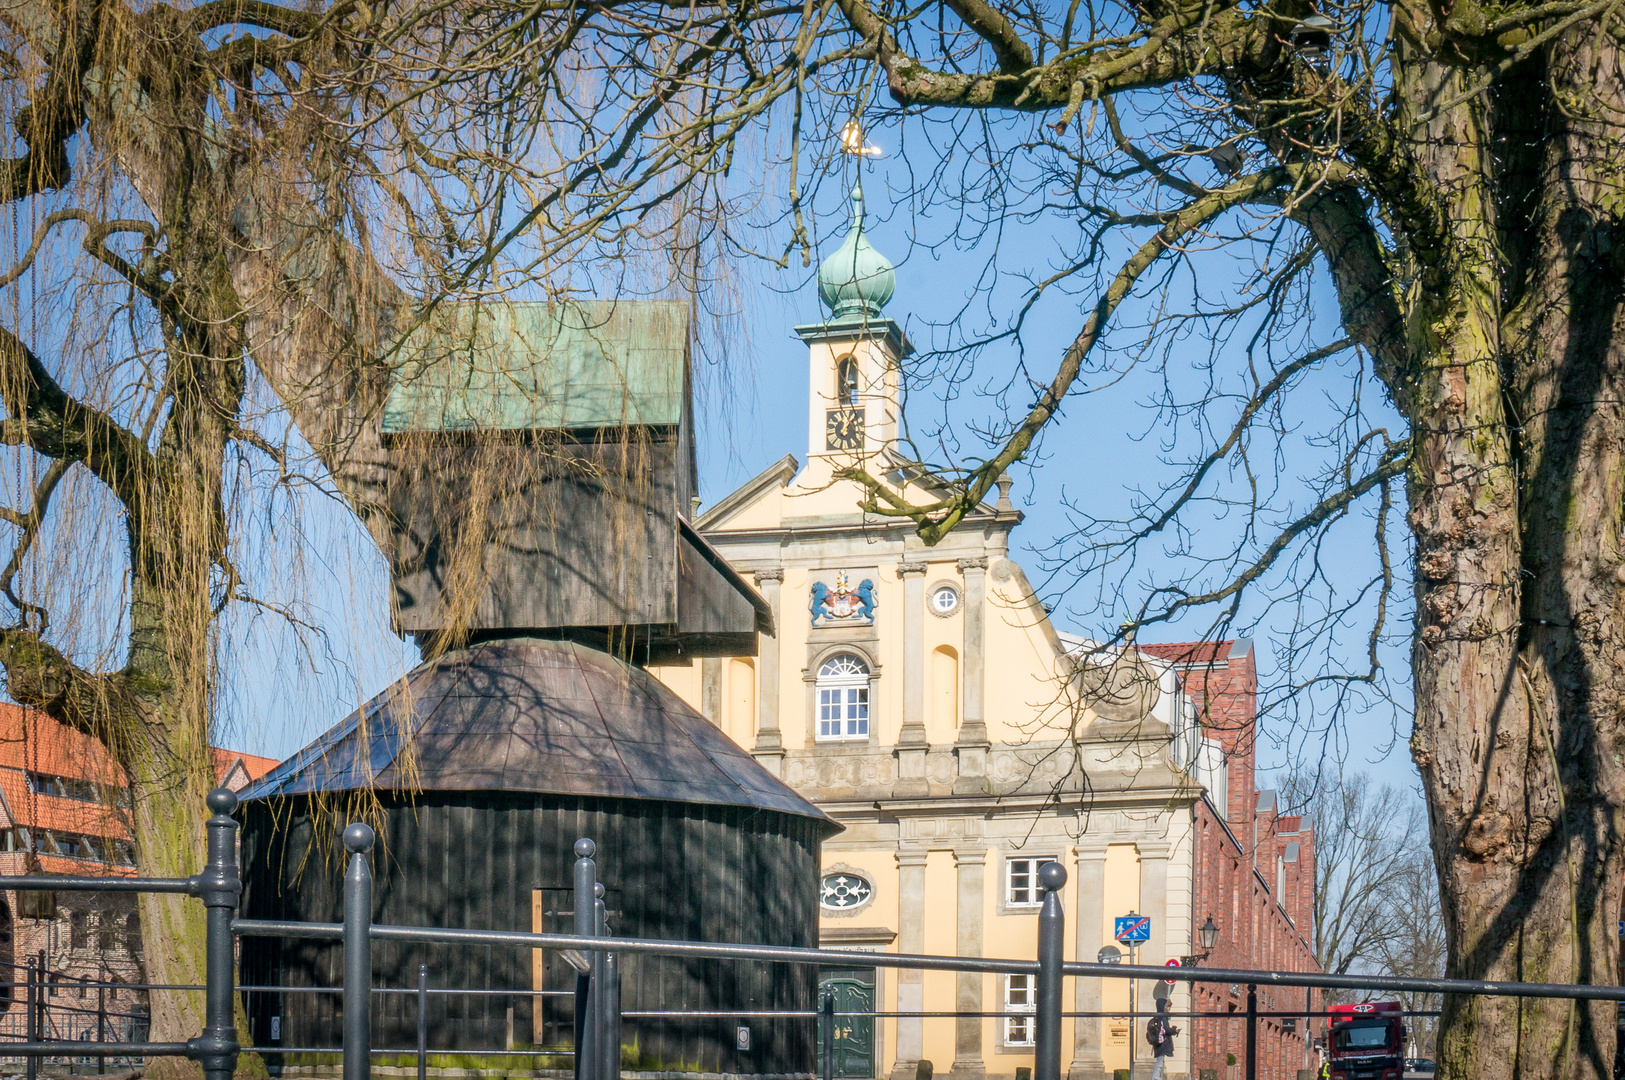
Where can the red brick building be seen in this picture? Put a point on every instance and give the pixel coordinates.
(63, 811)
(1254, 876)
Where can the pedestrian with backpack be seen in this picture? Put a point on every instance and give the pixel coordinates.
(1160, 1034)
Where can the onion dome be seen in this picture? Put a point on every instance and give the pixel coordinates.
(856, 280)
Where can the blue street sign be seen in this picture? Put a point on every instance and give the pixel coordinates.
(1132, 928)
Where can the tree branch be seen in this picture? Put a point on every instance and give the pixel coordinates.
(53, 115)
(46, 418)
(267, 16)
(936, 520)
(991, 26)
(41, 677)
(30, 524)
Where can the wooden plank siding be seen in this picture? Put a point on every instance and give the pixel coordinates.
(670, 870)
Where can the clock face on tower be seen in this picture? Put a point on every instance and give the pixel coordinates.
(843, 429)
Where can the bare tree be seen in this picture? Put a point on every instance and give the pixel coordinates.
(1365, 839)
(279, 194)
(1416, 948)
(233, 215)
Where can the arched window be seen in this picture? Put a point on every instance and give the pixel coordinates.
(843, 698)
(846, 381)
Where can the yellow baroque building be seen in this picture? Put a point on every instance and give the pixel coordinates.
(922, 698)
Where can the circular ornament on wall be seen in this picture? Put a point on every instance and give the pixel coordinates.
(943, 600)
(844, 891)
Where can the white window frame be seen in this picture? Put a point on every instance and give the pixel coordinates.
(841, 699)
(1029, 865)
(1020, 1030)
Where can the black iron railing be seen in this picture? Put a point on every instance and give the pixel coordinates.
(592, 953)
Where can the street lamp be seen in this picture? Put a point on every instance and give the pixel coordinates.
(1208, 935)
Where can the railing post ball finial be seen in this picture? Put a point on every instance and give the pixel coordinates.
(1052, 876)
(585, 848)
(221, 801)
(598, 889)
(358, 837)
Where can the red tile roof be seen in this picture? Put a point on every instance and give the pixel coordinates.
(1190, 652)
(254, 765)
(31, 742)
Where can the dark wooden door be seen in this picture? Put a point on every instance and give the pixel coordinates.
(854, 1035)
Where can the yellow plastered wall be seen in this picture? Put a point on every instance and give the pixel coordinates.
(682, 681)
(941, 921)
(1122, 897)
(880, 867)
(1023, 697)
(1013, 933)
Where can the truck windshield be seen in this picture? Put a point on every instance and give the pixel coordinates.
(1363, 1036)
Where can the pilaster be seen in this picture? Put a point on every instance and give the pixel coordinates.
(972, 745)
(910, 939)
(769, 747)
(1088, 1061)
(969, 867)
(911, 740)
(1153, 902)
(711, 689)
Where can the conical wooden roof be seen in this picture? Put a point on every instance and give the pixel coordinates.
(533, 715)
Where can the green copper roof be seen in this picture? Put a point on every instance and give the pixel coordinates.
(856, 279)
(531, 366)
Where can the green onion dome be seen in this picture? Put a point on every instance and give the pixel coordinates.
(856, 280)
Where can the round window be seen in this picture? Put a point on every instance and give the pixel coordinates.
(945, 601)
(843, 890)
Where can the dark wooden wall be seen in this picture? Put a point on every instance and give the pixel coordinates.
(571, 532)
(679, 871)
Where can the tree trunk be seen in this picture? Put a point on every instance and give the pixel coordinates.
(1515, 501)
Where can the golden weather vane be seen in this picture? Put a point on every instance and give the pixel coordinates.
(852, 141)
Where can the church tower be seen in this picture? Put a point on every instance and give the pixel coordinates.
(855, 395)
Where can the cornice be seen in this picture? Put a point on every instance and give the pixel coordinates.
(983, 805)
(781, 472)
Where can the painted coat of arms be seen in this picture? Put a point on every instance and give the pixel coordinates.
(843, 605)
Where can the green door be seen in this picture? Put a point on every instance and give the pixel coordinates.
(854, 1035)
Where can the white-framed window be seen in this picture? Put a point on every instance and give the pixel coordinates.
(1018, 1005)
(1021, 880)
(843, 698)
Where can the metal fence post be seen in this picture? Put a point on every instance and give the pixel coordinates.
(1252, 1032)
(828, 1033)
(423, 1021)
(606, 1059)
(101, 1026)
(585, 924)
(610, 1001)
(219, 886)
(31, 1021)
(1051, 948)
(358, 840)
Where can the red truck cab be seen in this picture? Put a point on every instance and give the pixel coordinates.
(1367, 1041)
